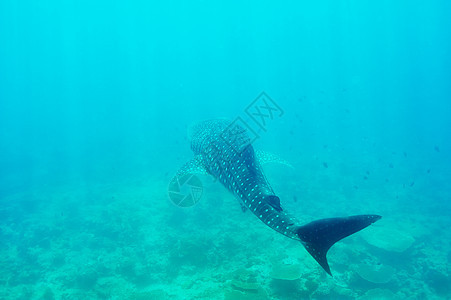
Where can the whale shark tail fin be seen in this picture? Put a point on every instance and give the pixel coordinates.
(318, 236)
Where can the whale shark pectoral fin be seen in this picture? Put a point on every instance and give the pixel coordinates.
(318, 236)
(264, 157)
(193, 167)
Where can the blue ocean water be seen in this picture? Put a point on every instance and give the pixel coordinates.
(95, 101)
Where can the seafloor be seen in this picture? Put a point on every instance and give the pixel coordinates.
(126, 240)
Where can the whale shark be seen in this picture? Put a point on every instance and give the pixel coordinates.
(224, 150)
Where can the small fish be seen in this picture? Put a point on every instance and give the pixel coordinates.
(428, 171)
(367, 172)
(365, 177)
(390, 165)
(412, 183)
(325, 165)
(436, 148)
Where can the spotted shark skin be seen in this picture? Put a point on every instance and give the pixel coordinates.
(223, 149)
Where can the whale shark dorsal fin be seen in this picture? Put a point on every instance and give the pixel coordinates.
(265, 157)
(274, 201)
(193, 167)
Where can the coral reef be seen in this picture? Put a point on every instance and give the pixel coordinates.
(375, 273)
(120, 246)
(389, 239)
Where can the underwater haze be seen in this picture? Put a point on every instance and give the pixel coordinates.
(96, 98)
